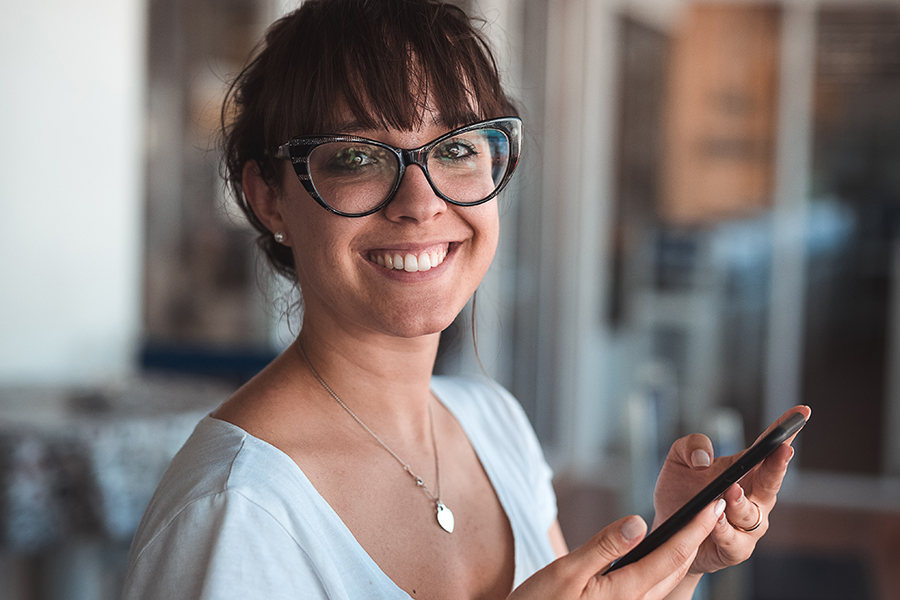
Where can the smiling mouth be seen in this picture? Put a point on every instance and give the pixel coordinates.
(405, 260)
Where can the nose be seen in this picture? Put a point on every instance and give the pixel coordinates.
(415, 200)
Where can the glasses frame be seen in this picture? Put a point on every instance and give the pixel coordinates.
(298, 149)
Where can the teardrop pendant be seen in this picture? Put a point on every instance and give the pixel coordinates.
(445, 517)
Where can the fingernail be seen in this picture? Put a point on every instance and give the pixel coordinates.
(699, 458)
(741, 497)
(720, 507)
(632, 528)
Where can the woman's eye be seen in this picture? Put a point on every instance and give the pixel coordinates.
(353, 161)
(456, 149)
(354, 158)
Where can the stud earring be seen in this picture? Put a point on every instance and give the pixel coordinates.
(279, 237)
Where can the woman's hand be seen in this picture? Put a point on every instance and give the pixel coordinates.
(577, 575)
(691, 465)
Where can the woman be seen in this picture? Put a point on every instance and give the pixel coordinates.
(344, 469)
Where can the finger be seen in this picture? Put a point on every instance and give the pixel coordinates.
(802, 409)
(670, 562)
(694, 451)
(732, 546)
(744, 514)
(604, 548)
(769, 476)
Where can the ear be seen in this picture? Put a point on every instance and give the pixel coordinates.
(263, 199)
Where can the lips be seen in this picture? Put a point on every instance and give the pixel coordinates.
(410, 260)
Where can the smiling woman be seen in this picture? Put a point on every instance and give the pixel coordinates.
(365, 143)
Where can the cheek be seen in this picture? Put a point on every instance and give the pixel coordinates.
(319, 240)
(486, 224)
(320, 248)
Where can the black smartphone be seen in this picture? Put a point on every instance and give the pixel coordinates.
(752, 457)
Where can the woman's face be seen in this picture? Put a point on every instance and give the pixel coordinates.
(347, 267)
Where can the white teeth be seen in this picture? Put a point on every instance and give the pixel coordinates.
(410, 262)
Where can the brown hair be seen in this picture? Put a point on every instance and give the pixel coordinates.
(379, 60)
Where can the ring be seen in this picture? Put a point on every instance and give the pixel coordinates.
(755, 525)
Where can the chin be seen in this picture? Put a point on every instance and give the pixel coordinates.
(419, 327)
(411, 318)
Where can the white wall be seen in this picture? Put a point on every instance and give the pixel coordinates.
(71, 123)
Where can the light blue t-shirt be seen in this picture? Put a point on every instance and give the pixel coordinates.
(234, 517)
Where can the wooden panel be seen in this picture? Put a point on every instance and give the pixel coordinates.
(721, 109)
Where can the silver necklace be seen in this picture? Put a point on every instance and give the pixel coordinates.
(444, 515)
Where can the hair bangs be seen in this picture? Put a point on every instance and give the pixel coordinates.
(388, 65)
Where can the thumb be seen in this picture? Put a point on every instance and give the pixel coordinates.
(569, 576)
(611, 543)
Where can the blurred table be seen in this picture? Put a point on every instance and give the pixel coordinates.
(87, 461)
(82, 464)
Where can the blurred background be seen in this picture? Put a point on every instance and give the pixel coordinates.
(704, 232)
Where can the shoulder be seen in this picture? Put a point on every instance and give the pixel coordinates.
(203, 467)
(219, 504)
(481, 401)
(219, 461)
(492, 418)
(220, 545)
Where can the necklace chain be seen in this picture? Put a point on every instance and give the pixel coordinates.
(419, 481)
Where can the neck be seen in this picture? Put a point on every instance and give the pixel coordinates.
(385, 379)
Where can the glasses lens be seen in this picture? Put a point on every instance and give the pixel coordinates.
(353, 177)
(468, 167)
